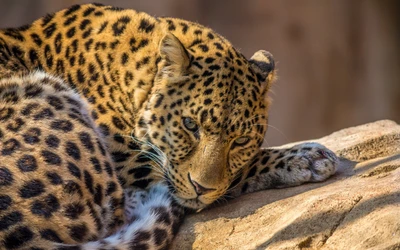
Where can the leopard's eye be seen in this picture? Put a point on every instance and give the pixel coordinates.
(241, 141)
(190, 124)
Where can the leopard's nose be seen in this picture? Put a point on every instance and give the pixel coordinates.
(199, 189)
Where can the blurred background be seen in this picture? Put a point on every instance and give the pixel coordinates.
(338, 60)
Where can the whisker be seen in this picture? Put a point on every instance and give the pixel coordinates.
(238, 175)
(159, 158)
(286, 138)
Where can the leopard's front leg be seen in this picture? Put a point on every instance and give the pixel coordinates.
(279, 168)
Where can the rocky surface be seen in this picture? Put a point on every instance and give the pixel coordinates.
(358, 208)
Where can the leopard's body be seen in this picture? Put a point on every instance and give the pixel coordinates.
(150, 101)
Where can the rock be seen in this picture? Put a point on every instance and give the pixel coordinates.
(358, 208)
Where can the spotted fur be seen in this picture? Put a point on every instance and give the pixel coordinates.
(58, 182)
(166, 100)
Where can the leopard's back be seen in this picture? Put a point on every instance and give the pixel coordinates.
(57, 181)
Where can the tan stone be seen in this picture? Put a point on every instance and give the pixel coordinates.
(358, 208)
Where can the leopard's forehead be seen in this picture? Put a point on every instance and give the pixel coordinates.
(223, 93)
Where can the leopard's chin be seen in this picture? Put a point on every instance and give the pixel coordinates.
(192, 204)
(195, 204)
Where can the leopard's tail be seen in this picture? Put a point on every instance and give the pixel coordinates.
(153, 225)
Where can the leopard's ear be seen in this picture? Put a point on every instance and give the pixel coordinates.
(177, 58)
(263, 65)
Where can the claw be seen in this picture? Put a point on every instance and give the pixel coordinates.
(323, 153)
(329, 155)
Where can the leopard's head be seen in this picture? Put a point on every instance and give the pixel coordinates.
(208, 114)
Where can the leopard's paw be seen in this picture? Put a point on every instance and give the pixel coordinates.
(321, 161)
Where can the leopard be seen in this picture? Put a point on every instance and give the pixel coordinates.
(114, 124)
